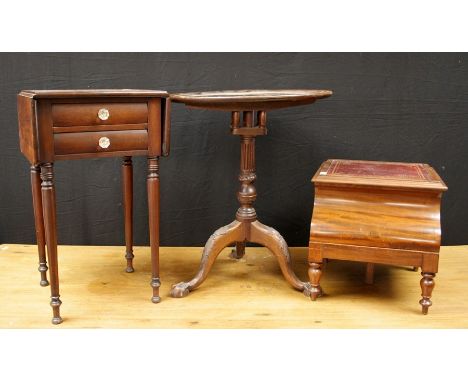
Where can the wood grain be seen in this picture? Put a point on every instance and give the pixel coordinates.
(246, 227)
(27, 128)
(237, 100)
(71, 124)
(86, 114)
(376, 212)
(376, 218)
(79, 93)
(88, 142)
(105, 296)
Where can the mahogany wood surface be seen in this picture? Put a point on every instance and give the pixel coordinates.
(241, 100)
(50, 224)
(128, 110)
(115, 127)
(93, 93)
(28, 128)
(88, 142)
(87, 114)
(127, 185)
(153, 215)
(246, 228)
(39, 222)
(73, 124)
(376, 212)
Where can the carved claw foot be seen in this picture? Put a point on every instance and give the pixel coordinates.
(179, 290)
(238, 251)
(129, 256)
(308, 289)
(233, 255)
(219, 240)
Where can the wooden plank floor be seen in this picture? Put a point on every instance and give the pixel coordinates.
(247, 293)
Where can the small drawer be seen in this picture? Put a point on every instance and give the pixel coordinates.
(100, 142)
(92, 114)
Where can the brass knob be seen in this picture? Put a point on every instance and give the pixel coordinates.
(104, 142)
(103, 114)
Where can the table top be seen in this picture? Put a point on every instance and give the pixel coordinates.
(239, 100)
(379, 174)
(80, 93)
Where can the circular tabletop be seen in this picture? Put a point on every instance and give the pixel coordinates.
(239, 100)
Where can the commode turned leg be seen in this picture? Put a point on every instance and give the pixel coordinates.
(427, 285)
(315, 273)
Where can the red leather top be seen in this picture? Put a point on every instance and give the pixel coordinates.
(384, 174)
(413, 171)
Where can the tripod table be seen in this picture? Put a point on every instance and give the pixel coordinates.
(246, 227)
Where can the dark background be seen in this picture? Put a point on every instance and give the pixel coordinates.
(392, 107)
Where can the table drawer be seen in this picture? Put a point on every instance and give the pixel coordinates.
(93, 114)
(100, 141)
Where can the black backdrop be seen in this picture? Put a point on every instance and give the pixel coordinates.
(393, 107)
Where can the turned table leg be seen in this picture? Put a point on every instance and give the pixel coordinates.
(153, 214)
(48, 204)
(427, 285)
(39, 222)
(127, 176)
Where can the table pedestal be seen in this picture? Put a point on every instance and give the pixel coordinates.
(246, 227)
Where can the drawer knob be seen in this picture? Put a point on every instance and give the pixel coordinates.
(103, 114)
(104, 142)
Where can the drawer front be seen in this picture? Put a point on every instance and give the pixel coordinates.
(92, 114)
(100, 142)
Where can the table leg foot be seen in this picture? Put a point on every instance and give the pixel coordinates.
(220, 239)
(315, 273)
(238, 252)
(129, 256)
(427, 285)
(272, 239)
(55, 304)
(179, 290)
(43, 270)
(50, 226)
(155, 284)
